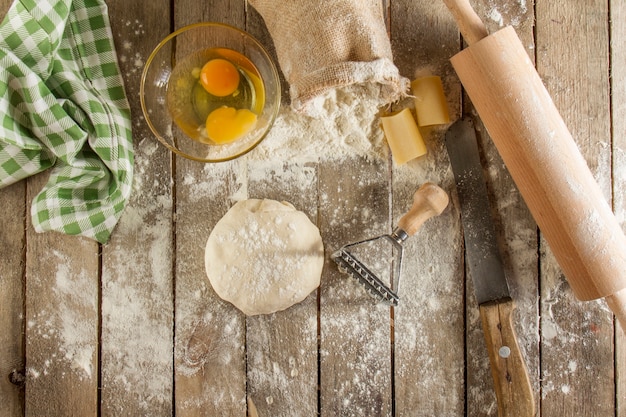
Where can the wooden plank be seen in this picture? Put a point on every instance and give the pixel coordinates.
(618, 106)
(12, 243)
(210, 364)
(431, 312)
(211, 374)
(51, 302)
(282, 347)
(577, 355)
(517, 236)
(12, 293)
(137, 264)
(61, 321)
(355, 346)
(210, 333)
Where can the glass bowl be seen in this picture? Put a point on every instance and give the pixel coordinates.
(175, 104)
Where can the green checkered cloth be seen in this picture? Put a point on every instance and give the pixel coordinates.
(63, 106)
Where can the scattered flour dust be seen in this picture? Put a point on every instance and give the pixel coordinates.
(511, 13)
(75, 332)
(74, 336)
(137, 313)
(129, 58)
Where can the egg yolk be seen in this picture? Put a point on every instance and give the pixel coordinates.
(219, 77)
(227, 124)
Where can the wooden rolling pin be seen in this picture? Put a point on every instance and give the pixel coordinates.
(543, 160)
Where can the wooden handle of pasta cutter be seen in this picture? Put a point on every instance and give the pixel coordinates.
(544, 161)
(428, 201)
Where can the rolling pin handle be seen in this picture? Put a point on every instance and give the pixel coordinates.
(470, 25)
(617, 304)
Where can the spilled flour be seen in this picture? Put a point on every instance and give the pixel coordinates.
(510, 13)
(74, 336)
(341, 124)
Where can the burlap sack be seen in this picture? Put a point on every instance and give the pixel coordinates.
(326, 44)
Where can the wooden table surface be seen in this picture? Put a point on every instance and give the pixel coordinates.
(133, 327)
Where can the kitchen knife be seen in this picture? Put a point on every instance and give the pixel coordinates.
(512, 385)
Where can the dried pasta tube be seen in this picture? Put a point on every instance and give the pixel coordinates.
(403, 136)
(431, 107)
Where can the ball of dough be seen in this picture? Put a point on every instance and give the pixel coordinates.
(264, 256)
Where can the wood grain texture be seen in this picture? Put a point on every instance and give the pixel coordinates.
(424, 37)
(516, 230)
(618, 119)
(515, 226)
(137, 263)
(508, 366)
(282, 348)
(355, 332)
(210, 333)
(517, 233)
(12, 312)
(133, 327)
(543, 159)
(470, 24)
(61, 321)
(579, 86)
(12, 293)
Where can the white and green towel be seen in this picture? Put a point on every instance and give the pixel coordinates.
(63, 106)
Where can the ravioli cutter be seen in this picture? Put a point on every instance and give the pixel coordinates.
(377, 262)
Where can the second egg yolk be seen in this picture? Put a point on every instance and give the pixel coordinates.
(219, 77)
(227, 124)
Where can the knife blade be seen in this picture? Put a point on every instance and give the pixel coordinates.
(508, 369)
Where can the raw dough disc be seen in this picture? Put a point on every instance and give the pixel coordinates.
(264, 256)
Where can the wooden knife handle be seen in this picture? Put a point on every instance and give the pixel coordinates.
(510, 375)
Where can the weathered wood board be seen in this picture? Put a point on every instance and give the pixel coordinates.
(517, 233)
(580, 89)
(133, 327)
(432, 288)
(137, 304)
(618, 152)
